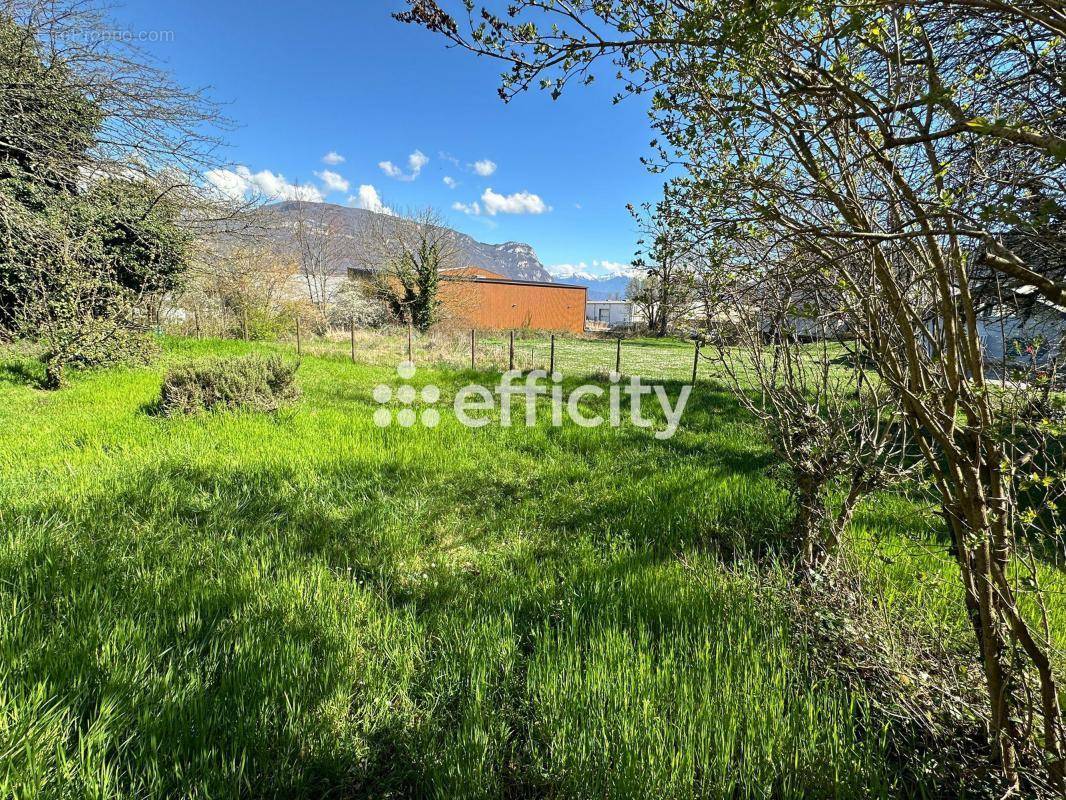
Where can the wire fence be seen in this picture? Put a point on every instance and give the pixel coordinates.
(571, 355)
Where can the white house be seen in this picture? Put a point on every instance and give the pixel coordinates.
(609, 313)
(1024, 328)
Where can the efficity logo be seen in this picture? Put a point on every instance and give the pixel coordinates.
(515, 399)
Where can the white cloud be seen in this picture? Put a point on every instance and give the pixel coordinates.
(484, 167)
(415, 162)
(275, 186)
(517, 203)
(370, 200)
(242, 184)
(332, 181)
(450, 182)
(473, 209)
(333, 158)
(227, 183)
(492, 204)
(448, 157)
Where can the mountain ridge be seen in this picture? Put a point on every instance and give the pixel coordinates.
(606, 288)
(517, 260)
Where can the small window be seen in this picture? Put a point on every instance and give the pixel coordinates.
(605, 315)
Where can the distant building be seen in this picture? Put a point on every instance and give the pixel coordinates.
(609, 313)
(1023, 327)
(473, 297)
(1016, 323)
(477, 298)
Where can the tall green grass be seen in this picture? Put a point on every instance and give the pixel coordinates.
(302, 604)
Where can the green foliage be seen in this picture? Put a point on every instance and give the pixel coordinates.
(80, 342)
(417, 277)
(264, 323)
(252, 382)
(75, 261)
(47, 125)
(427, 280)
(140, 238)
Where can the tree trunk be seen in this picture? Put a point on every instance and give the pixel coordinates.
(53, 374)
(983, 551)
(661, 326)
(808, 530)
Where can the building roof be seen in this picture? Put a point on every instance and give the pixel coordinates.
(516, 282)
(1041, 250)
(472, 272)
(480, 275)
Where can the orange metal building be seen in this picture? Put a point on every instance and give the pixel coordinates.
(477, 298)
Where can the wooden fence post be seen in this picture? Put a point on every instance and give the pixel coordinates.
(510, 363)
(299, 345)
(618, 356)
(196, 320)
(244, 324)
(551, 358)
(410, 340)
(472, 349)
(695, 362)
(352, 325)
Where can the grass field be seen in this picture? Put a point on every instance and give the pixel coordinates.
(575, 356)
(303, 604)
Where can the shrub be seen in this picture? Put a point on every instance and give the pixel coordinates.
(354, 302)
(86, 342)
(253, 382)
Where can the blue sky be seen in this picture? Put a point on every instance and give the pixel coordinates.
(304, 81)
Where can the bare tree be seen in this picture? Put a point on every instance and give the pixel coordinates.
(233, 281)
(792, 361)
(324, 246)
(149, 125)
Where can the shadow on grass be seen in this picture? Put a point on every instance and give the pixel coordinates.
(22, 372)
(189, 650)
(194, 606)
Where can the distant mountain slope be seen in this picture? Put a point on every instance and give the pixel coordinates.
(512, 259)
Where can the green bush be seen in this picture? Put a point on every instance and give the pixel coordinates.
(253, 382)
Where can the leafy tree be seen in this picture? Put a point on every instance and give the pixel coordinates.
(47, 124)
(141, 236)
